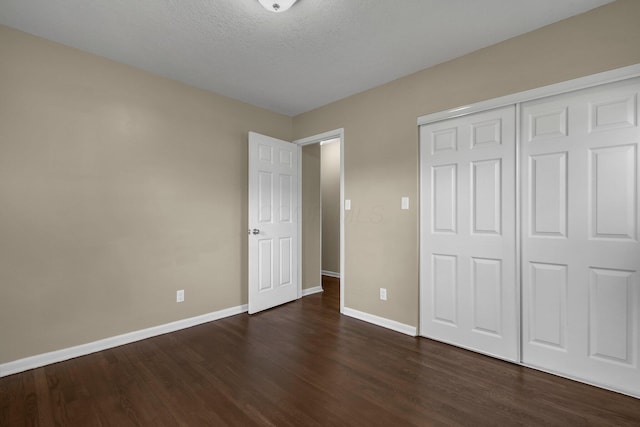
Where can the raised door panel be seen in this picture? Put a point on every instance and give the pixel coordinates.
(613, 193)
(486, 188)
(485, 134)
(547, 305)
(548, 195)
(445, 288)
(444, 198)
(613, 111)
(286, 159)
(265, 262)
(265, 154)
(486, 286)
(444, 140)
(613, 316)
(547, 122)
(286, 206)
(265, 197)
(285, 261)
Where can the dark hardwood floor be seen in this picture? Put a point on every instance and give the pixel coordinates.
(302, 364)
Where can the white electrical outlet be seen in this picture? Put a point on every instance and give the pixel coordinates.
(180, 295)
(383, 294)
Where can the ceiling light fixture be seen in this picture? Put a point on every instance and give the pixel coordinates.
(277, 5)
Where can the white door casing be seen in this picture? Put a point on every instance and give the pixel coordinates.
(273, 222)
(468, 284)
(580, 250)
(317, 139)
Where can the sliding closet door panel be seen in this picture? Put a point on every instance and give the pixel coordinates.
(467, 247)
(580, 249)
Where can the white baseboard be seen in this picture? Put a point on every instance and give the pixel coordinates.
(381, 321)
(39, 360)
(311, 291)
(330, 274)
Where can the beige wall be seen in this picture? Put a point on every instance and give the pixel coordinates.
(331, 206)
(117, 188)
(311, 234)
(381, 138)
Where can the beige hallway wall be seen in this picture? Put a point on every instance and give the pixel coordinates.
(311, 234)
(331, 206)
(117, 188)
(381, 138)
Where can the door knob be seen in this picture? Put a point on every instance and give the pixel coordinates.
(255, 231)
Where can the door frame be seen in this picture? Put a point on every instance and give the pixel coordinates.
(316, 139)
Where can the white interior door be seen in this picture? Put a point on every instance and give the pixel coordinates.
(468, 284)
(273, 222)
(580, 250)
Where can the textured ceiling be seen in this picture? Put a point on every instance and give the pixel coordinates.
(317, 52)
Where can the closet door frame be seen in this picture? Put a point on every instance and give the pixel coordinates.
(516, 100)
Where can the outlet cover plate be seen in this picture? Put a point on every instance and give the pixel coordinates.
(404, 203)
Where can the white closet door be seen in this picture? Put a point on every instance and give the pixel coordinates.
(468, 285)
(580, 250)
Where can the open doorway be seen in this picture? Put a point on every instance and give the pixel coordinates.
(322, 216)
(330, 218)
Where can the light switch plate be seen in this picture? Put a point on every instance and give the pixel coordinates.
(347, 205)
(404, 204)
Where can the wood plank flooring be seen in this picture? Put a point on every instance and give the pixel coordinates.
(302, 364)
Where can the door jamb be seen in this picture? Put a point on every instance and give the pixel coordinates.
(316, 139)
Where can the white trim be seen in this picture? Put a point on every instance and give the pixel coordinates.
(342, 238)
(311, 291)
(518, 233)
(541, 92)
(381, 321)
(332, 134)
(39, 360)
(299, 221)
(330, 274)
(321, 213)
(422, 263)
